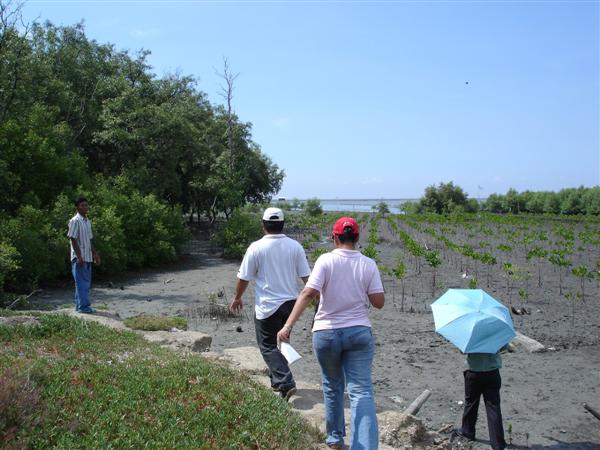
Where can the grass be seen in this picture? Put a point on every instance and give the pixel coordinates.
(155, 323)
(74, 384)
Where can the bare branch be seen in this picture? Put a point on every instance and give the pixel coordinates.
(227, 94)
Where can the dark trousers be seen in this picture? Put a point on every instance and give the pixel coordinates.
(486, 384)
(266, 337)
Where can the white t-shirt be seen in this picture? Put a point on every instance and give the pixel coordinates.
(275, 263)
(344, 278)
(80, 228)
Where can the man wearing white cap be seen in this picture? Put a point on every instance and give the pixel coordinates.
(275, 263)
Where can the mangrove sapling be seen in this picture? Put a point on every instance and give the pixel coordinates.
(572, 297)
(523, 296)
(558, 258)
(489, 260)
(399, 272)
(583, 273)
(540, 253)
(433, 259)
(318, 252)
(504, 248)
(508, 271)
(513, 274)
(370, 252)
(473, 283)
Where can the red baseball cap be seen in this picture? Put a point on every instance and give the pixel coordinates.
(343, 222)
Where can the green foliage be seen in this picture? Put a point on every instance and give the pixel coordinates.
(296, 204)
(568, 201)
(151, 231)
(400, 270)
(312, 207)
(473, 283)
(504, 248)
(411, 208)
(9, 261)
(558, 258)
(126, 393)
(318, 252)
(537, 252)
(384, 269)
(241, 230)
(38, 251)
(488, 258)
(433, 258)
(370, 251)
(80, 117)
(582, 272)
(105, 110)
(381, 208)
(156, 323)
(446, 198)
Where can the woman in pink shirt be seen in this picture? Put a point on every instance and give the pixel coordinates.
(348, 282)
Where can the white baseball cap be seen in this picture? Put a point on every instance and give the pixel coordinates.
(273, 215)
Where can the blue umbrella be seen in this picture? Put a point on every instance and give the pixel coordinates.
(473, 321)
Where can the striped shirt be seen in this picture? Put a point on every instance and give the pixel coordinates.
(80, 228)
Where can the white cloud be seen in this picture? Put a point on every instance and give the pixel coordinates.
(281, 122)
(372, 180)
(144, 34)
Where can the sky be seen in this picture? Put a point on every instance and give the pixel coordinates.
(380, 99)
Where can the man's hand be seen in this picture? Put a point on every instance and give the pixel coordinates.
(236, 305)
(97, 259)
(79, 261)
(283, 335)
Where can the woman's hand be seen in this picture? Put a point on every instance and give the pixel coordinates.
(284, 334)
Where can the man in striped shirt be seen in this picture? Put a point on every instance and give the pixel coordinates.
(82, 255)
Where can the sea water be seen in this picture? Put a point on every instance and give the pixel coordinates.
(363, 205)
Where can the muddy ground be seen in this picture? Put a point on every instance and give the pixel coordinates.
(542, 393)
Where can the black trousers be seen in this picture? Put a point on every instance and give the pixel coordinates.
(486, 384)
(266, 337)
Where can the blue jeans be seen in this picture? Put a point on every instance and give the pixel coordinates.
(83, 282)
(346, 357)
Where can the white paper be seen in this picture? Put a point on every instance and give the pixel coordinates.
(289, 352)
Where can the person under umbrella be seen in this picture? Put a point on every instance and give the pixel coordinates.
(480, 327)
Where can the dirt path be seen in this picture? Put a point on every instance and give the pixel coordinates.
(542, 393)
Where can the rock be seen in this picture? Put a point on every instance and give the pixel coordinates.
(245, 358)
(185, 340)
(398, 399)
(398, 430)
(239, 329)
(105, 318)
(19, 320)
(531, 345)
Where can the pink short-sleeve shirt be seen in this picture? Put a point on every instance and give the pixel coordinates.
(344, 278)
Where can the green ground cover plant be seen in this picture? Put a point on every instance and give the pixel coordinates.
(71, 384)
(156, 323)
